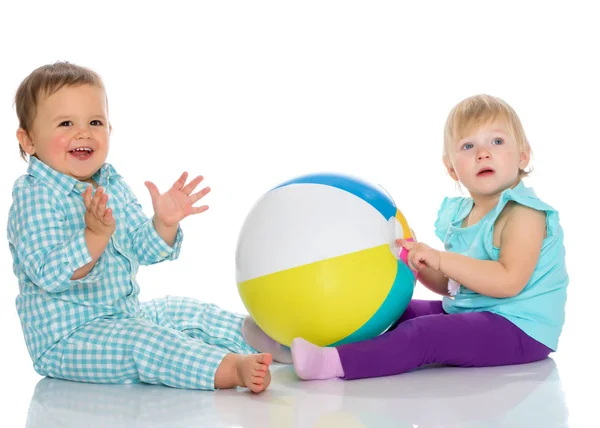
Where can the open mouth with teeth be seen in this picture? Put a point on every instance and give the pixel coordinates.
(82, 153)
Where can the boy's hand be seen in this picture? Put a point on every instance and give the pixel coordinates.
(98, 219)
(420, 255)
(177, 203)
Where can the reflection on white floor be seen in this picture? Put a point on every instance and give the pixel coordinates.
(517, 396)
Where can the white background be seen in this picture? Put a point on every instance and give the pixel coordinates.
(252, 93)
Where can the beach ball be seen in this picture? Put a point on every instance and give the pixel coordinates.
(316, 258)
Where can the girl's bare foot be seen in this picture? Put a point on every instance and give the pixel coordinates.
(250, 371)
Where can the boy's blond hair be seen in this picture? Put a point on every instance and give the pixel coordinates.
(45, 81)
(479, 110)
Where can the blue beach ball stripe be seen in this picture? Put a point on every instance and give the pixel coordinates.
(374, 196)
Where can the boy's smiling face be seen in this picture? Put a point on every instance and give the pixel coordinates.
(70, 132)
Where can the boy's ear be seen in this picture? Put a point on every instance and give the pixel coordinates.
(450, 168)
(25, 142)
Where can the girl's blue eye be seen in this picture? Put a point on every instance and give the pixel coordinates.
(498, 141)
(467, 146)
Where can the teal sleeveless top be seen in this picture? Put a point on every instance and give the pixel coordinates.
(539, 309)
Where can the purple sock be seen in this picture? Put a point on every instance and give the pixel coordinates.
(313, 362)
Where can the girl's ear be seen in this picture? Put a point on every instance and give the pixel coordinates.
(524, 159)
(449, 167)
(25, 142)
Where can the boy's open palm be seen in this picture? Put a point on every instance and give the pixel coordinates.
(178, 202)
(98, 218)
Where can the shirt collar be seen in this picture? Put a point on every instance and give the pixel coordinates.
(521, 189)
(465, 208)
(64, 183)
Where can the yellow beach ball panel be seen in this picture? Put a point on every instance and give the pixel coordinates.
(314, 304)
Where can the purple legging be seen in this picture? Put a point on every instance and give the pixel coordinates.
(425, 334)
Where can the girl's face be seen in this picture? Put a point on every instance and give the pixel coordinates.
(70, 132)
(488, 160)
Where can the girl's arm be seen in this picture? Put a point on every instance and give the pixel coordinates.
(434, 280)
(520, 246)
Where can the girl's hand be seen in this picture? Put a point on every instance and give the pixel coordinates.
(420, 255)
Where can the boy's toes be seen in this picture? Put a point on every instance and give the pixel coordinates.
(264, 359)
(256, 388)
(259, 373)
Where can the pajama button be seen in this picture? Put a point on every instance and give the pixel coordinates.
(80, 185)
(132, 277)
(163, 254)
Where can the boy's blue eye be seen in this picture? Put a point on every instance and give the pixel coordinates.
(467, 146)
(497, 141)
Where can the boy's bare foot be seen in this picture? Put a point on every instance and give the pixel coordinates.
(253, 371)
(250, 371)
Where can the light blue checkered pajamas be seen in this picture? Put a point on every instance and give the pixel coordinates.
(94, 329)
(176, 341)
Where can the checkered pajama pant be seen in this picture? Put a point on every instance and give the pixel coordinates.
(175, 341)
